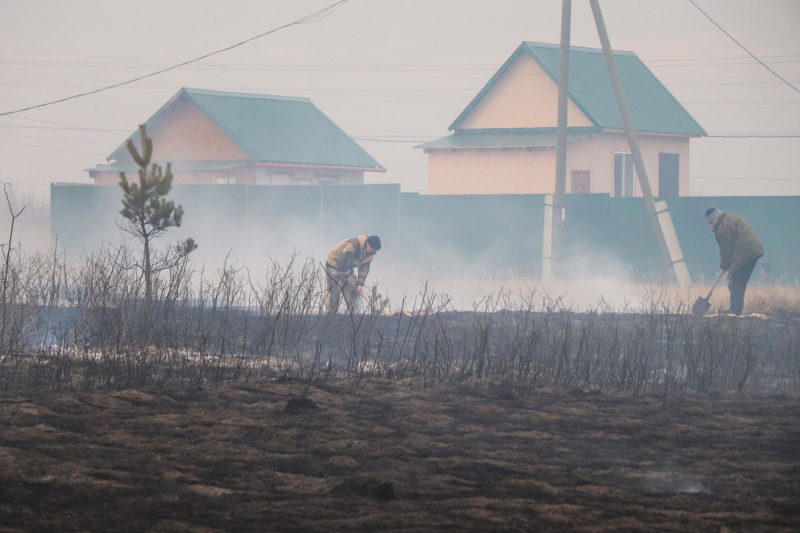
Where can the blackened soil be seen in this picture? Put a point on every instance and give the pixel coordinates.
(390, 457)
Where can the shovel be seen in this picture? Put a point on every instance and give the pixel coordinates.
(701, 305)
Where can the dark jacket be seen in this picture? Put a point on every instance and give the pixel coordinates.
(737, 241)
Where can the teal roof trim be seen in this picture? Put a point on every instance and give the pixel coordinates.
(275, 129)
(506, 138)
(177, 166)
(651, 105)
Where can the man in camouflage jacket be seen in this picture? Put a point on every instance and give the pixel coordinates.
(348, 255)
(739, 249)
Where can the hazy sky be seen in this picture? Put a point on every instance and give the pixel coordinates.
(391, 73)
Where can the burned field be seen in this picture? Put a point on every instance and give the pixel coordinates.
(485, 421)
(386, 456)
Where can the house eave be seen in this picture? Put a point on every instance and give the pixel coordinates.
(310, 165)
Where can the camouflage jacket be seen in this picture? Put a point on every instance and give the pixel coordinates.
(737, 242)
(348, 255)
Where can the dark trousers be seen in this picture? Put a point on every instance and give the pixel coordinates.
(737, 283)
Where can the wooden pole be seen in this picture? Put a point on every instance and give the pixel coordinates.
(638, 162)
(559, 198)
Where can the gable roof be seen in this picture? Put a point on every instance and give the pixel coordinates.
(651, 105)
(274, 129)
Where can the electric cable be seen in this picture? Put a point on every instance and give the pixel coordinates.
(742, 46)
(313, 17)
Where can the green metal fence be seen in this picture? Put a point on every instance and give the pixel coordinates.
(460, 236)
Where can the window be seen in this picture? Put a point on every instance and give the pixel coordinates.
(623, 174)
(327, 176)
(281, 178)
(226, 181)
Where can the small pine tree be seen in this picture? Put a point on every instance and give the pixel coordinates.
(147, 214)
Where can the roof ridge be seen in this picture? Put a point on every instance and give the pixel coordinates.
(576, 48)
(232, 94)
(541, 129)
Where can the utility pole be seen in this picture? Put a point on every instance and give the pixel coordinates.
(555, 211)
(659, 218)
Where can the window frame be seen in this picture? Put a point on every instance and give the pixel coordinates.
(624, 174)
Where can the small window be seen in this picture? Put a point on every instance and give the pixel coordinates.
(226, 181)
(281, 178)
(327, 173)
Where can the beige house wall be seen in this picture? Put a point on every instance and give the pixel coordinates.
(596, 154)
(250, 176)
(491, 172)
(184, 133)
(517, 171)
(524, 97)
(278, 175)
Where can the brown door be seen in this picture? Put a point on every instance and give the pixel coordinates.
(580, 181)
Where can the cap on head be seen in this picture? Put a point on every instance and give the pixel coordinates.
(712, 213)
(375, 242)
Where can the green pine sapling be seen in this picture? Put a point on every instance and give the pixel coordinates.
(147, 214)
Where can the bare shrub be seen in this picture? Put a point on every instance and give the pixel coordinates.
(91, 326)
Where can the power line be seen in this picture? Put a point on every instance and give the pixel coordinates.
(757, 136)
(689, 102)
(313, 17)
(61, 126)
(742, 46)
(741, 179)
(51, 148)
(17, 136)
(731, 58)
(386, 140)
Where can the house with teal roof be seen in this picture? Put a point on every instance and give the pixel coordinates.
(504, 141)
(215, 137)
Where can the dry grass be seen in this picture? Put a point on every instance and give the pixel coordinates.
(772, 299)
(88, 327)
(591, 293)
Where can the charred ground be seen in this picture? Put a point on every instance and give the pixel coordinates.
(436, 421)
(388, 456)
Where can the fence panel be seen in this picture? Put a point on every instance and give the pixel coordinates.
(459, 236)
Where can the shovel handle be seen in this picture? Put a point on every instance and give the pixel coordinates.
(715, 284)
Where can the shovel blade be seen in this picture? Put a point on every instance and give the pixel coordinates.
(701, 306)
